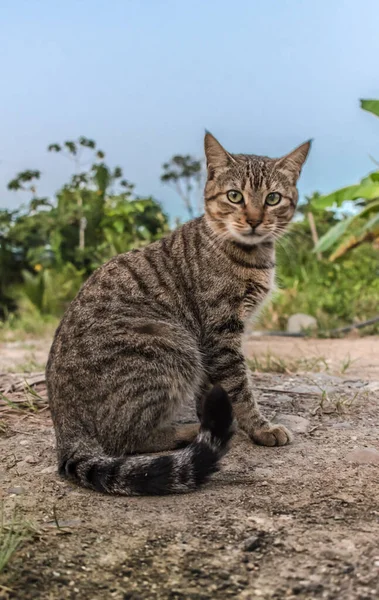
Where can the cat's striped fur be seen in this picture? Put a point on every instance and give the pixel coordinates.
(158, 327)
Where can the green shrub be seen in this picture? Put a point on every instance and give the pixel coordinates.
(335, 293)
(49, 291)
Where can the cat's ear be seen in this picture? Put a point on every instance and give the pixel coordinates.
(293, 162)
(217, 157)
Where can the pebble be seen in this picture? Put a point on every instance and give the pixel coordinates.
(373, 386)
(51, 469)
(342, 425)
(24, 442)
(294, 423)
(252, 543)
(16, 490)
(300, 321)
(364, 456)
(31, 460)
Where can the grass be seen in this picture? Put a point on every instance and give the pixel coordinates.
(29, 366)
(13, 535)
(336, 403)
(346, 363)
(28, 325)
(31, 401)
(269, 363)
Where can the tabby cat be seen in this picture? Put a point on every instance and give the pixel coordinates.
(162, 326)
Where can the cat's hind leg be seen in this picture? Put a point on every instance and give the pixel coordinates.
(170, 437)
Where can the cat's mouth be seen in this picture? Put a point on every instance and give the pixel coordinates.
(250, 234)
(255, 237)
(249, 238)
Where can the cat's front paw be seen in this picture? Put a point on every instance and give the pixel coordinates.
(271, 435)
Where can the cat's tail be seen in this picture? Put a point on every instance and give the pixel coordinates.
(181, 471)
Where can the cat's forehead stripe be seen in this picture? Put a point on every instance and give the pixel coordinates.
(252, 171)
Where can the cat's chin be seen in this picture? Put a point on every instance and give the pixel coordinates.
(251, 239)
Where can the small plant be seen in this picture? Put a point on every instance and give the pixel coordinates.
(346, 363)
(26, 324)
(29, 366)
(31, 402)
(335, 402)
(12, 536)
(269, 363)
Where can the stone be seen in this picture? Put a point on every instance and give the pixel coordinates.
(373, 386)
(364, 456)
(294, 423)
(298, 322)
(16, 490)
(51, 469)
(252, 543)
(342, 425)
(31, 460)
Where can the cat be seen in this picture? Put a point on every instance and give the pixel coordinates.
(161, 326)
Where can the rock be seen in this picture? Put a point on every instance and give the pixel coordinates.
(364, 456)
(342, 425)
(298, 322)
(294, 423)
(252, 543)
(373, 386)
(31, 460)
(16, 490)
(63, 524)
(51, 469)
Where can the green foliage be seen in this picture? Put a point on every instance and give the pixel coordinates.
(127, 225)
(48, 248)
(363, 226)
(335, 293)
(371, 105)
(24, 324)
(13, 535)
(49, 291)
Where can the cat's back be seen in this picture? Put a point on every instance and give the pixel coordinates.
(144, 284)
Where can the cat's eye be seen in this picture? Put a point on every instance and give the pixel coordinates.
(234, 196)
(273, 198)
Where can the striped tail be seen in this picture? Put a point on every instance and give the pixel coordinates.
(179, 472)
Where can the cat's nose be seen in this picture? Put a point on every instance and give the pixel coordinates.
(253, 223)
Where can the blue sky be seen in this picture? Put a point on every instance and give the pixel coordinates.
(145, 78)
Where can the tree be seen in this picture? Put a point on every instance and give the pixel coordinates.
(97, 178)
(129, 223)
(51, 245)
(185, 174)
(9, 263)
(363, 225)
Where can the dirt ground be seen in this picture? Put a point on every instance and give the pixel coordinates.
(276, 523)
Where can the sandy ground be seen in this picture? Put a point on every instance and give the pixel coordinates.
(356, 356)
(275, 523)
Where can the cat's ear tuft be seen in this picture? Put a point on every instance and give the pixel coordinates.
(294, 161)
(215, 154)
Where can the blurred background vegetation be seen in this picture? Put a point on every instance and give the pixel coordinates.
(328, 263)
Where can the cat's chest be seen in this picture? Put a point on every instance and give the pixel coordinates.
(257, 288)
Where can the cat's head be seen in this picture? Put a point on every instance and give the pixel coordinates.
(251, 199)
